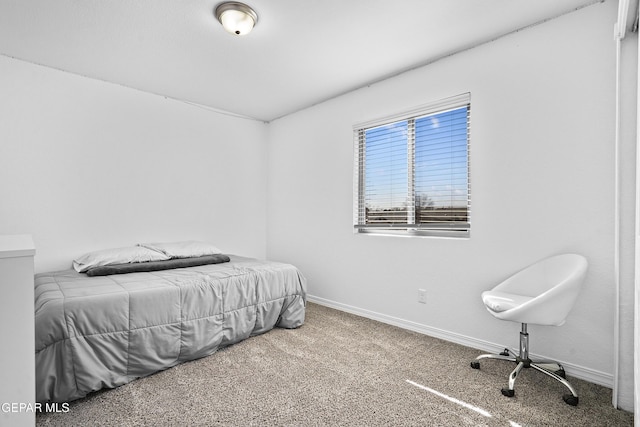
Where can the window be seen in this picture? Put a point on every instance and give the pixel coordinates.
(412, 171)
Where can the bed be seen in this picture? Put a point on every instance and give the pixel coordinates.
(107, 330)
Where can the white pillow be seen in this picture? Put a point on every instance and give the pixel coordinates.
(116, 256)
(188, 249)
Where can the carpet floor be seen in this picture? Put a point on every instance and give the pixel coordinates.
(339, 369)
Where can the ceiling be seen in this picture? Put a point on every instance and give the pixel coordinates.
(300, 53)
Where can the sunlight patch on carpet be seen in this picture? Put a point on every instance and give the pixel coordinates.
(452, 399)
(459, 402)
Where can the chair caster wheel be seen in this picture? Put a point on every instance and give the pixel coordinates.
(475, 365)
(562, 374)
(507, 392)
(570, 399)
(505, 352)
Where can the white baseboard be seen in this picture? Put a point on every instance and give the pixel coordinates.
(576, 371)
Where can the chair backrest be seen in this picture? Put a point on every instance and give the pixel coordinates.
(553, 284)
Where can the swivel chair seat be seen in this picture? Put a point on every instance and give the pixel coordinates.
(542, 294)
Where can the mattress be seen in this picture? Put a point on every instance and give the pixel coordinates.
(105, 331)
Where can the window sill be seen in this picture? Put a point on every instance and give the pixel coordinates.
(448, 234)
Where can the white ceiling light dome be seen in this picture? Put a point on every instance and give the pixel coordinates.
(237, 18)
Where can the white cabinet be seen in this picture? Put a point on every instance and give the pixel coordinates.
(17, 337)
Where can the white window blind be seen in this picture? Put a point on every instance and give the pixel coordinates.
(412, 171)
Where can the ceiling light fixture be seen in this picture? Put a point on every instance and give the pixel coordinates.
(237, 18)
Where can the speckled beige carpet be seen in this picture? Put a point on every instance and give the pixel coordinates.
(341, 370)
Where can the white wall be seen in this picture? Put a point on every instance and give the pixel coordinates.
(87, 165)
(542, 180)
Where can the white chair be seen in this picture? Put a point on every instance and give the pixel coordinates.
(541, 294)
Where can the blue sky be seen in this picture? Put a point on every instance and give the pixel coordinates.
(440, 161)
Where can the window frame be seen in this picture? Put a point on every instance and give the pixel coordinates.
(458, 229)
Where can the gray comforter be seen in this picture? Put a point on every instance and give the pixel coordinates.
(97, 332)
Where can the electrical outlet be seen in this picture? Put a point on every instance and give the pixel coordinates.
(422, 296)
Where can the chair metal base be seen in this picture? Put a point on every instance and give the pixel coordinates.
(522, 360)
